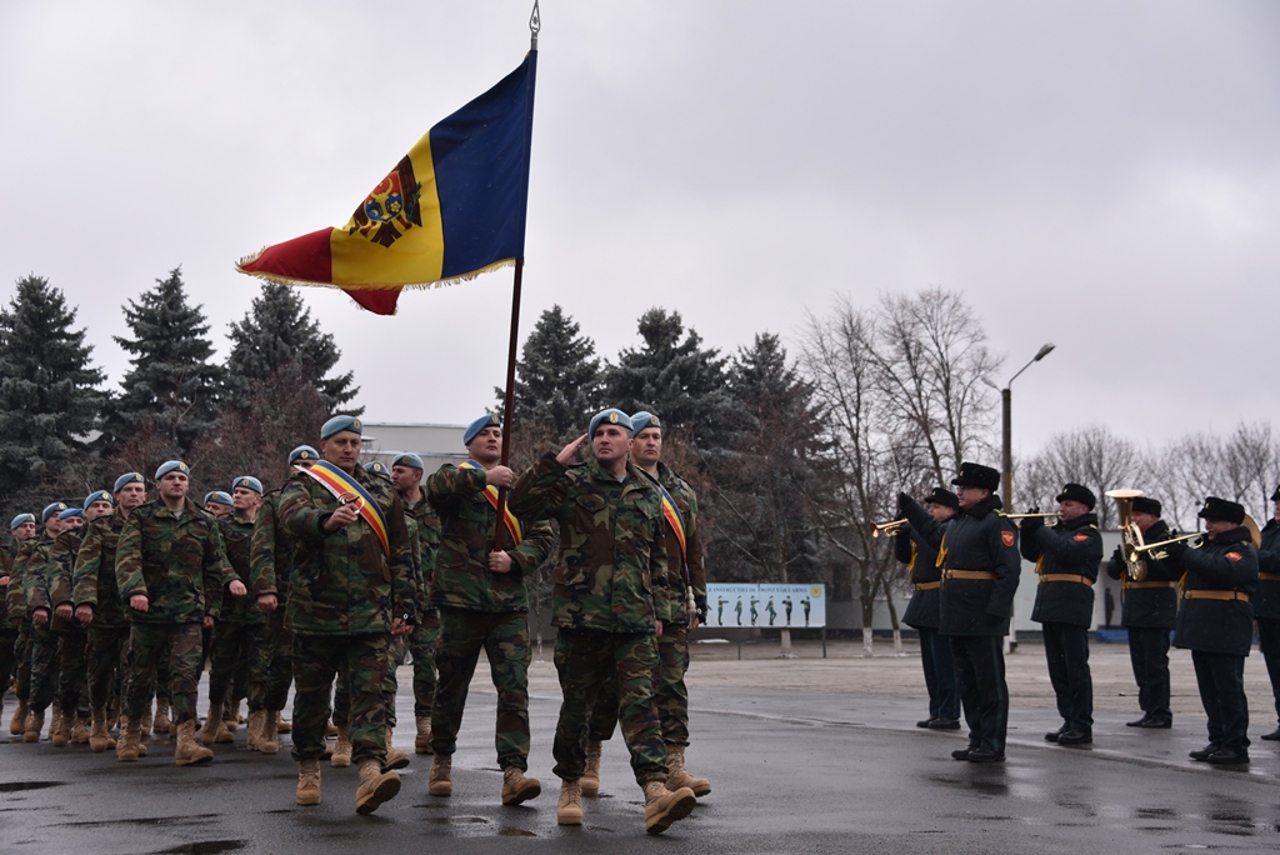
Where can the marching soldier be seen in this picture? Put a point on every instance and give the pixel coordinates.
(1216, 624)
(483, 605)
(610, 601)
(1067, 558)
(979, 555)
(21, 527)
(922, 612)
(1266, 605)
(1148, 610)
(219, 503)
(42, 645)
(16, 624)
(350, 590)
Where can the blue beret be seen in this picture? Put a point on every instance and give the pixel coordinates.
(613, 416)
(71, 512)
(248, 482)
(172, 466)
(217, 496)
(378, 469)
(411, 460)
(473, 429)
(128, 478)
(642, 420)
(340, 423)
(50, 510)
(21, 519)
(100, 496)
(303, 452)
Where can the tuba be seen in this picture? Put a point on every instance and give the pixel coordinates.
(1130, 534)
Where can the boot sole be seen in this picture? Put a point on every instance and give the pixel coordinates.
(442, 790)
(523, 795)
(589, 790)
(385, 791)
(400, 763)
(570, 819)
(306, 801)
(681, 808)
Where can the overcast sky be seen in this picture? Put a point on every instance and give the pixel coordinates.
(1102, 175)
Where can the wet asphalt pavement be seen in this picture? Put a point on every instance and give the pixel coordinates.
(791, 772)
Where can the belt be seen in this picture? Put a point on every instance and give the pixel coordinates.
(969, 574)
(1132, 585)
(927, 586)
(1215, 595)
(1066, 577)
(1269, 577)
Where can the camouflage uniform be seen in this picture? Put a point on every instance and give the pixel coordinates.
(73, 640)
(271, 564)
(42, 643)
(481, 610)
(8, 631)
(95, 586)
(237, 648)
(426, 635)
(343, 593)
(610, 586)
(16, 616)
(178, 563)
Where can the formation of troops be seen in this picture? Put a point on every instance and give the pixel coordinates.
(114, 608)
(965, 556)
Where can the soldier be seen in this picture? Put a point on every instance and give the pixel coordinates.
(21, 527)
(1148, 610)
(219, 504)
(350, 589)
(96, 598)
(1216, 624)
(979, 554)
(171, 570)
(922, 612)
(16, 625)
(610, 601)
(1266, 605)
(42, 645)
(271, 562)
(483, 605)
(1067, 558)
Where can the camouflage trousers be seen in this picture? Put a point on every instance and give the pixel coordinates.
(8, 657)
(236, 657)
(317, 661)
(42, 656)
(269, 687)
(73, 671)
(588, 660)
(504, 637)
(150, 644)
(669, 692)
(422, 646)
(106, 663)
(22, 662)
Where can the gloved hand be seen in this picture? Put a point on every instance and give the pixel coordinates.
(1031, 525)
(904, 502)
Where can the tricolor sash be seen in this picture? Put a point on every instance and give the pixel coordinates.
(346, 489)
(672, 515)
(491, 493)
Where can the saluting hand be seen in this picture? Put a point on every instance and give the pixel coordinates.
(500, 476)
(567, 453)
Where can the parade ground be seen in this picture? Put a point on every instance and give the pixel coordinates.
(805, 755)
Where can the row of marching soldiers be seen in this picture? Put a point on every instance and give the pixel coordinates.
(323, 584)
(965, 556)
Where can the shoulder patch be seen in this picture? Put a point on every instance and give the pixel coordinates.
(1081, 536)
(1234, 556)
(1007, 538)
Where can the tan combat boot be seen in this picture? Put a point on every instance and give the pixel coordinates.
(342, 749)
(257, 723)
(80, 732)
(308, 783)
(162, 723)
(18, 724)
(268, 741)
(395, 759)
(35, 724)
(283, 725)
(590, 780)
(663, 807)
(516, 788)
(189, 752)
(332, 730)
(60, 728)
(678, 776)
(127, 747)
(375, 787)
(231, 718)
(422, 742)
(569, 808)
(144, 728)
(99, 737)
(440, 782)
(212, 728)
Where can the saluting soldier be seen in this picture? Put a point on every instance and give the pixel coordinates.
(351, 587)
(980, 561)
(1266, 605)
(483, 605)
(171, 569)
(16, 624)
(1148, 610)
(42, 644)
(921, 558)
(610, 600)
(1067, 557)
(1215, 623)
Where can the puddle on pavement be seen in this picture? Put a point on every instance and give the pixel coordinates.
(458, 820)
(18, 786)
(515, 832)
(204, 847)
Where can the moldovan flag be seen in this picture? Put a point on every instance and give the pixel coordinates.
(451, 209)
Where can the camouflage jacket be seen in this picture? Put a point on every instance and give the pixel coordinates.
(52, 582)
(342, 582)
(6, 568)
(611, 573)
(691, 577)
(270, 553)
(177, 562)
(462, 577)
(16, 595)
(236, 535)
(94, 579)
(427, 541)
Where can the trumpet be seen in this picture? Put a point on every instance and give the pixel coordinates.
(891, 527)
(1029, 516)
(1133, 553)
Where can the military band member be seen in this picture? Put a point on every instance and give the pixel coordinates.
(981, 566)
(1266, 606)
(1215, 623)
(1067, 557)
(610, 601)
(1148, 610)
(922, 612)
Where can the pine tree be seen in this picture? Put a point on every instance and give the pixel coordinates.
(277, 331)
(557, 377)
(172, 385)
(49, 392)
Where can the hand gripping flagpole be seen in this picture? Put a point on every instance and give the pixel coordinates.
(535, 24)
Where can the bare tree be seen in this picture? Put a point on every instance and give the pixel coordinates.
(1091, 456)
